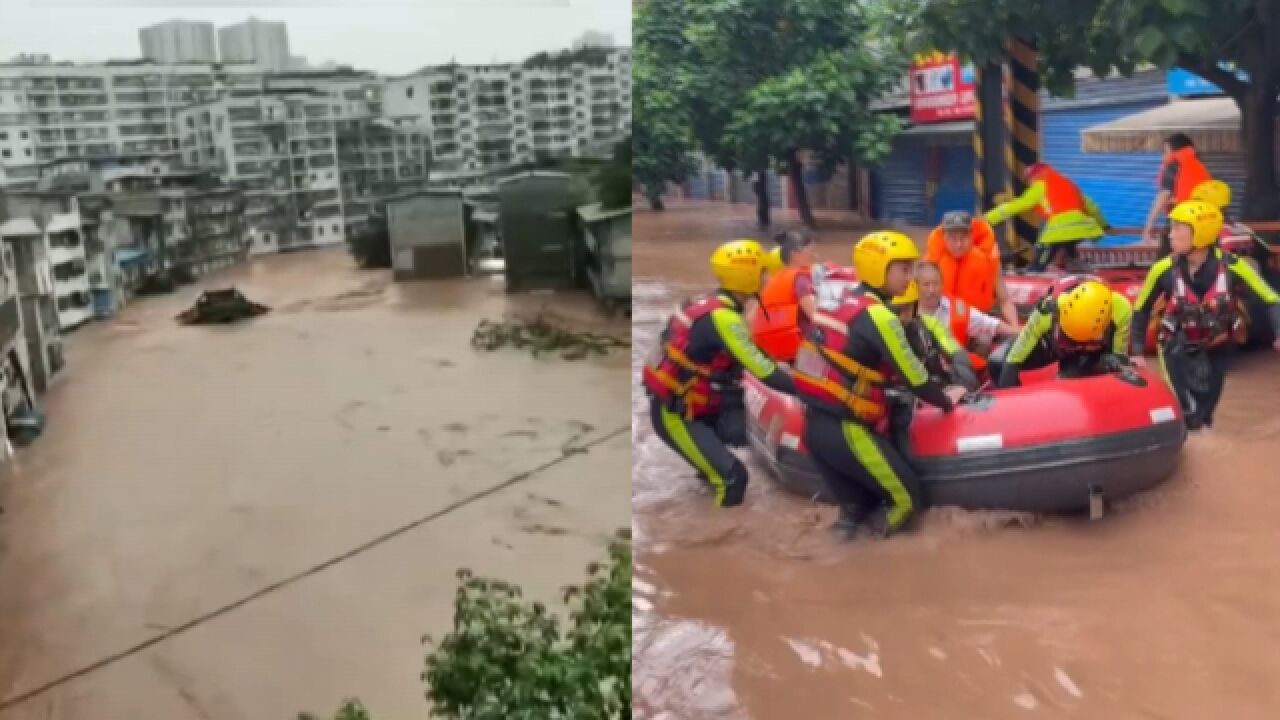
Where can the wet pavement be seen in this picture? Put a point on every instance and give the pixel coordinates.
(1167, 608)
(253, 520)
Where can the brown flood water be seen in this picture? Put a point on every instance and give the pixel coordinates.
(185, 469)
(1168, 608)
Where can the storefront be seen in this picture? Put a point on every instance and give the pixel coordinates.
(930, 169)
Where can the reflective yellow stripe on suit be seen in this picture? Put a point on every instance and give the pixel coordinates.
(679, 432)
(868, 453)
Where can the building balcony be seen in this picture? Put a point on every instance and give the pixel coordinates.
(10, 319)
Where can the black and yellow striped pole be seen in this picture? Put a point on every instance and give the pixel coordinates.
(990, 169)
(979, 148)
(1023, 121)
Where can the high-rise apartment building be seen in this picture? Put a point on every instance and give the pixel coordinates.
(593, 38)
(311, 152)
(55, 111)
(179, 41)
(255, 41)
(485, 117)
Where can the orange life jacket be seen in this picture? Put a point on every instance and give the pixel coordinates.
(1191, 172)
(984, 239)
(828, 379)
(776, 328)
(960, 330)
(1060, 194)
(683, 383)
(971, 278)
(1209, 320)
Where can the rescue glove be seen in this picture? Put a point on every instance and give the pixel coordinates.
(1112, 362)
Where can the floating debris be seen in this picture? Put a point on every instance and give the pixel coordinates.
(221, 306)
(540, 336)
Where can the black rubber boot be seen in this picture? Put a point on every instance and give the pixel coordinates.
(846, 525)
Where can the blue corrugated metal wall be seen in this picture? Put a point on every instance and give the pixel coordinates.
(955, 191)
(898, 184)
(1229, 168)
(1123, 185)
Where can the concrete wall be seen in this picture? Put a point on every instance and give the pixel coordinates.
(428, 236)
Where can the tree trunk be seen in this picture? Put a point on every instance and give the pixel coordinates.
(1258, 115)
(762, 198)
(655, 200)
(795, 168)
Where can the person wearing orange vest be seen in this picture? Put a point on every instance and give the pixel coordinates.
(966, 322)
(931, 339)
(1070, 217)
(1181, 172)
(693, 377)
(787, 301)
(950, 242)
(1201, 322)
(850, 357)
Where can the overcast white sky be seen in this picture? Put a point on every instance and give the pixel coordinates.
(388, 36)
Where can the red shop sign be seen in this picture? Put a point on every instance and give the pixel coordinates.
(941, 89)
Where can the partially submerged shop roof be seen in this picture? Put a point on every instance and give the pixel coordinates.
(1213, 124)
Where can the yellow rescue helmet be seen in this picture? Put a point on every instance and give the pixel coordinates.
(738, 265)
(1084, 312)
(1205, 221)
(773, 261)
(873, 254)
(908, 296)
(1214, 192)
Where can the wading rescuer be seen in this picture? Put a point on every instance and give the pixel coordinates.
(1070, 216)
(787, 302)
(850, 357)
(1202, 320)
(966, 322)
(694, 375)
(964, 248)
(1081, 324)
(1181, 172)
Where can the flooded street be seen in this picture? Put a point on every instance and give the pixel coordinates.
(254, 520)
(1168, 608)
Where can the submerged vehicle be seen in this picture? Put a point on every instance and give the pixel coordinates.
(221, 306)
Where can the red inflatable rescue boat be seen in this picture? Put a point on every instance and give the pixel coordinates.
(1049, 446)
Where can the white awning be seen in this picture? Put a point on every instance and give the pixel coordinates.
(19, 227)
(1213, 124)
(956, 127)
(63, 222)
(484, 216)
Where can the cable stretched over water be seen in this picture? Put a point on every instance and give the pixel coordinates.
(565, 453)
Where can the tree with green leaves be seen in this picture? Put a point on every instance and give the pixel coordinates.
(765, 80)
(1105, 35)
(509, 658)
(662, 139)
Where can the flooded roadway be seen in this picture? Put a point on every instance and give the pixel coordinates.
(1169, 608)
(187, 469)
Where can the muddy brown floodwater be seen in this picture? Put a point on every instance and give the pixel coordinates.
(244, 522)
(1167, 608)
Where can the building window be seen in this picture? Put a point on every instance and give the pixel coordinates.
(408, 92)
(4, 153)
(320, 230)
(4, 136)
(335, 229)
(28, 152)
(24, 134)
